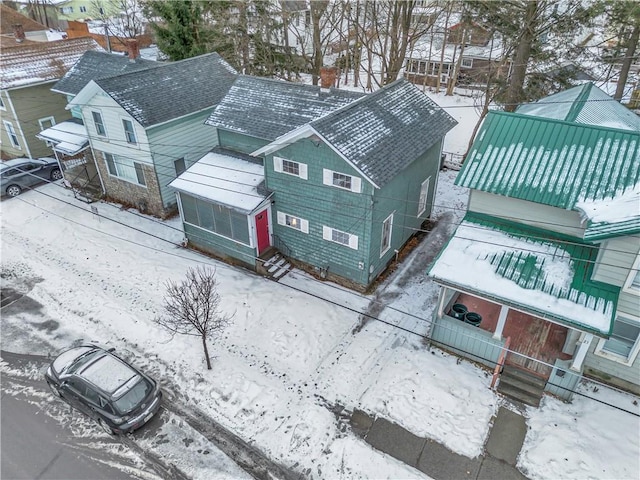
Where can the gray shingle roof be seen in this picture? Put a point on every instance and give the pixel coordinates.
(267, 109)
(171, 90)
(94, 65)
(387, 130)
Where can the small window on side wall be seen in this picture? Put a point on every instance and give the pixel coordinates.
(129, 132)
(341, 180)
(180, 166)
(99, 124)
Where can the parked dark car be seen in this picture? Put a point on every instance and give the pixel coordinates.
(106, 388)
(21, 173)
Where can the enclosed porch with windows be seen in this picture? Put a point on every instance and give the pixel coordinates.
(519, 297)
(224, 207)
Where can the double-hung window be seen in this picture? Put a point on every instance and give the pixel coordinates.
(124, 168)
(99, 123)
(294, 222)
(624, 343)
(11, 132)
(338, 236)
(129, 132)
(385, 239)
(46, 122)
(341, 180)
(290, 167)
(424, 195)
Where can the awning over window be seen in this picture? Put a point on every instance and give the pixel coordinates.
(68, 138)
(225, 180)
(528, 269)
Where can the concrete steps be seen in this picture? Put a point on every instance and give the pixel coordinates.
(521, 386)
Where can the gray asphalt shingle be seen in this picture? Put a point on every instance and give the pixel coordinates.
(94, 65)
(387, 130)
(266, 109)
(171, 90)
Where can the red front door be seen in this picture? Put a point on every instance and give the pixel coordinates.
(262, 231)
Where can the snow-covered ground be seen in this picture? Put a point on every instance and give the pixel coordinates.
(293, 354)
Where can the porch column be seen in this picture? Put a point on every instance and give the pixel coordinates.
(502, 319)
(441, 296)
(583, 348)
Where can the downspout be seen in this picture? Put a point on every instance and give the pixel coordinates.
(15, 116)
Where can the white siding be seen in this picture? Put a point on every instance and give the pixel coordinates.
(529, 213)
(616, 260)
(115, 141)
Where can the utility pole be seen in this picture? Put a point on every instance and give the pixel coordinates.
(106, 34)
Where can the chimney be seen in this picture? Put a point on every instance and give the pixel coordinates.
(133, 50)
(328, 77)
(18, 32)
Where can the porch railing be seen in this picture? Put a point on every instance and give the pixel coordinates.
(281, 246)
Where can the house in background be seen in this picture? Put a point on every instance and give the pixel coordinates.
(14, 25)
(70, 139)
(26, 102)
(147, 126)
(548, 253)
(345, 179)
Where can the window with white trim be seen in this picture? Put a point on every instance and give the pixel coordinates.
(11, 132)
(290, 167)
(46, 122)
(338, 236)
(292, 221)
(66, 10)
(215, 218)
(385, 239)
(2, 106)
(99, 124)
(624, 343)
(180, 166)
(124, 168)
(467, 63)
(424, 195)
(341, 180)
(129, 132)
(632, 285)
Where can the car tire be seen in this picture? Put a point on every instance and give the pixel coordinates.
(14, 190)
(104, 426)
(54, 389)
(56, 174)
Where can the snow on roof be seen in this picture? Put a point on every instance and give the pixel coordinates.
(108, 373)
(63, 360)
(225, 180)
(612, 216)
(69, 137)
(42, 61)
(536, 275)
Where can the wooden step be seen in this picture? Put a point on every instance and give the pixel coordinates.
(519, 395)
(521, 374)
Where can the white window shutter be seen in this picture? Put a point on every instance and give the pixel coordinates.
(327, 177)
(356, 184)
(326, 233)
(304, 226)
(353, 241)
(303, 171)
(277, 164)
(281, 219)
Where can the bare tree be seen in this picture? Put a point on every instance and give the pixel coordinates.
(192, 307)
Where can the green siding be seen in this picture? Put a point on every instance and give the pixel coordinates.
(322, 205)
(219, 246)
(32, 104)
(401, 197)
(186, 137)
(239, 142)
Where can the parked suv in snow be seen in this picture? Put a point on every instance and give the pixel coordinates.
(106, 388)
(20, 173)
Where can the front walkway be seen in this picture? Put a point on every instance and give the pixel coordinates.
(498, 461)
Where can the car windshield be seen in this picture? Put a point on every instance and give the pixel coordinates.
(130, 400)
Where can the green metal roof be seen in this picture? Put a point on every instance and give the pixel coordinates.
(549, 161)
(585, 104)
(531, 269)
(603, 230)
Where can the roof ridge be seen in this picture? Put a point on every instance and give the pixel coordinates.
(579, 102)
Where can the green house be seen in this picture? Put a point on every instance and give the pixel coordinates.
(345, 180)
(548, 253)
